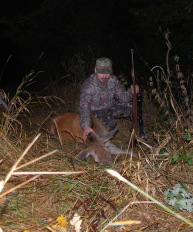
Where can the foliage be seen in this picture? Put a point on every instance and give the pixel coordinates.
(175, 15)
(17, 106)
(78, 67)
(179, 198)
(188, 135)
(169, 87)
(181, 157)
(173, 93)
(92, 194)
(61, 28)
(75, 70)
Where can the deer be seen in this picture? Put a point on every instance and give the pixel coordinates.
(67, 127)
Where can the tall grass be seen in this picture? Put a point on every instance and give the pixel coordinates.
(172, 90)
(16, 106)
(92, 193)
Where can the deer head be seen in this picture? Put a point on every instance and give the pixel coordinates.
(97, 149)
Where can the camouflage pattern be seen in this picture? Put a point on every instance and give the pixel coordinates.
(109, 116)
(3, 104)
(98, 97)
(104, 65)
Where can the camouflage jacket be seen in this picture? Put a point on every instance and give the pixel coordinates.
(96, 95)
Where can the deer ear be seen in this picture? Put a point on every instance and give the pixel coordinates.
(108, 135)
(83, 155)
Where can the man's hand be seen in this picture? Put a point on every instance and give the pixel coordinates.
(136, 89)
(86, 131)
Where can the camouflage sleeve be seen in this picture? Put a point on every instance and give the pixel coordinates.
(85, 102)
(121, 94)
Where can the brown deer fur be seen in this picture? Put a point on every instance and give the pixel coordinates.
(67, 127)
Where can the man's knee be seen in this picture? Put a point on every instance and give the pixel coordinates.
(120, 111)
(111, 124)
(107, 119)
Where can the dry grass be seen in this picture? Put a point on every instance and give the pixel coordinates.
(93, 194)
(34, 199)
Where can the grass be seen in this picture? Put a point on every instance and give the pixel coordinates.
(41, 179)
(93, 194)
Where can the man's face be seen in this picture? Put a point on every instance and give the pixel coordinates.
(103, 77)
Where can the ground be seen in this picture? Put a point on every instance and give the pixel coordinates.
(93, 194)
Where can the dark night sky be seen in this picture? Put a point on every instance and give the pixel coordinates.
(109, 28)
(14, 8)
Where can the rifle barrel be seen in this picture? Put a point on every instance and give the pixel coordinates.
(135, 116)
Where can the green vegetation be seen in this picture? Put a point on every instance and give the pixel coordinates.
(179, 198)
(40, 172)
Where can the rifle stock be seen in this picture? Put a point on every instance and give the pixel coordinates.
(137, 105)
(140, 116)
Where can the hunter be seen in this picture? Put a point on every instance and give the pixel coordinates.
(103, 95)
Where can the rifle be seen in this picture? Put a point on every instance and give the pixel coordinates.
(137, 104)
(135, 115)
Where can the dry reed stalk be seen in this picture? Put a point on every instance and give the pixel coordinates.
(45, 120)
(18, 186)
(46, 173)
(50, 229)
(19, 160)
(123, 210)
(3, 182)
(163, 144)
(121, 178)
(58, 132)
(33, 161)
(9, 123)
(14, 167)
(50, 99)
(7, 148)
(66, 131)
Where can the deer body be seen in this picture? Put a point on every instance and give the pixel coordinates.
(67, 127)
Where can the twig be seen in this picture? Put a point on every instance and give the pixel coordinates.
(20, 158)
(123, 210)
(46, 173)
(39, 158)
(117, 175)
(18, 186)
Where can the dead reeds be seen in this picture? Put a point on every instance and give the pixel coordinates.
(42, 181)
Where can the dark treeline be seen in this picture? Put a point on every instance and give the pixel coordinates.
(109, 28)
